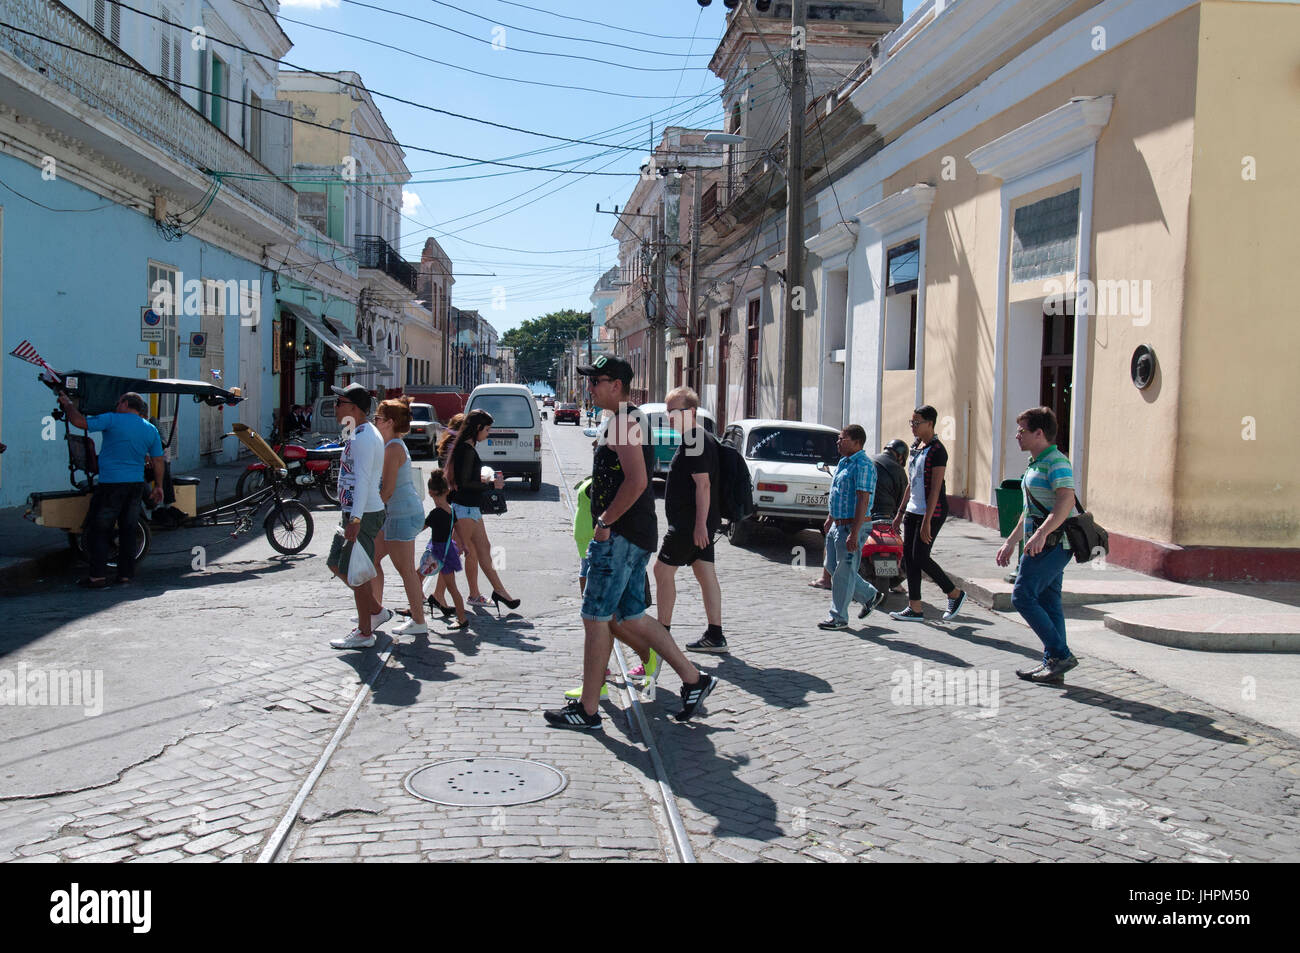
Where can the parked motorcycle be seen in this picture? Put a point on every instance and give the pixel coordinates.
(308, 469)
(882, 556)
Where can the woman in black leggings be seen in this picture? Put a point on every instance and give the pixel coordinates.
(922, 512)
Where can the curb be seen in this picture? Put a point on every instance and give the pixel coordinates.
(1244, 641)
(1279, 641)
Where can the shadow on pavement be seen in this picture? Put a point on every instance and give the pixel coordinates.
(967, 634)
(911, 648)
(417, 662)
(707, 779)
(781, 687)
(1129, 710)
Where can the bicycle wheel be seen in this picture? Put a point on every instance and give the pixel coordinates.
(250, 481)
(288, 527)
(329, 487)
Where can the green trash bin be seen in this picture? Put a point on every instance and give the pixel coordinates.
(1011, 504)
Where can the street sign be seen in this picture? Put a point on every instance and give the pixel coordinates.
(198, 344)
(151, 328)
(152, 362)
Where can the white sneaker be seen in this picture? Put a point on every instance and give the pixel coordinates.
(411, 627)
(354, 640)
(380, 617)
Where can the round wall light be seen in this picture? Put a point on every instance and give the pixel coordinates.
(1143, 367)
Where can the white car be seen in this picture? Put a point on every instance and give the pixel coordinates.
(785, 460)
(514, 444)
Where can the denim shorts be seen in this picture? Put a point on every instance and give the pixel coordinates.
(616, 586)
(403, 528)
(466, 512)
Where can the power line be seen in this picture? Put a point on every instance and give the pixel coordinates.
(516, 49)
(373, 92)
(555, 36)
(464, 69)
(306, 122)
(608, 26)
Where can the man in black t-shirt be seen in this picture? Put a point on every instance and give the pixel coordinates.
(691, 502)
(623, 511)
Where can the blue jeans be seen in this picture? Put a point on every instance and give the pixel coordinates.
(842, 564)
(1037, 597)
(616, 580)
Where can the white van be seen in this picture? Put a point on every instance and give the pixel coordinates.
(514, 445)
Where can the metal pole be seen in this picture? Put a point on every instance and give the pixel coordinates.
(694, 371)
(661, 309)
(792, 376)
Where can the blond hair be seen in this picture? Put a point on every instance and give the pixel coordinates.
(684, 393)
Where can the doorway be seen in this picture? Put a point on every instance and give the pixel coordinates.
(721, 407)
(751, 358)
(1057, 371)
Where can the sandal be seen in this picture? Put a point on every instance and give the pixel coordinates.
(818, 584)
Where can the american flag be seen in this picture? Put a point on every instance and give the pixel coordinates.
(26, 352)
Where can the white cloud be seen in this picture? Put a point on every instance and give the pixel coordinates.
(310, 4)
(410, 202)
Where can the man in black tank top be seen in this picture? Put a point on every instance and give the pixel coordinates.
(627, 530)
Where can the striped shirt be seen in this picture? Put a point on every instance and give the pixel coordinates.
(1048, 472)
(854, 474)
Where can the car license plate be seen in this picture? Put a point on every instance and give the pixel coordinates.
(885, 565)
(809, 499)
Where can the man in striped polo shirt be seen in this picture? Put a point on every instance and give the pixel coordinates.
(850, 505)
(1048, 486)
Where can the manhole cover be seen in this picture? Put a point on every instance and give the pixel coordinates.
(485, 781)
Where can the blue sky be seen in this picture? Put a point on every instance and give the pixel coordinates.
(538, 232)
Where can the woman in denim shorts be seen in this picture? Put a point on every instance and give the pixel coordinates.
(463, 468)
(404, 512)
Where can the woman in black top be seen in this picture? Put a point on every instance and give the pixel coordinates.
(463, 469)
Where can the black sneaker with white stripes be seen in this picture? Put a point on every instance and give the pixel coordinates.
(572, 715)
(693, 696)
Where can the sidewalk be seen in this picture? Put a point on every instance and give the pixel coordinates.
(1242, 617)
(29, 552)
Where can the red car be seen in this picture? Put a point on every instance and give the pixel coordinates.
(568, 412)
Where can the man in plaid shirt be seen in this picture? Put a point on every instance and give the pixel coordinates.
(846, 529)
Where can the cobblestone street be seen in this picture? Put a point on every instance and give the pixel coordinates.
(884, 742)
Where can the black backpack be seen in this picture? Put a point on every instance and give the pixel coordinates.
(736, 493)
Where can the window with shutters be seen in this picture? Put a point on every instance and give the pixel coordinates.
(255, 135)
(169, 50)
(107, 19)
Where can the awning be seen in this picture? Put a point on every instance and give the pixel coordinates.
(318, 328)
(368, 361)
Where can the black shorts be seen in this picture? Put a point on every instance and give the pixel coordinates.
(679, 549)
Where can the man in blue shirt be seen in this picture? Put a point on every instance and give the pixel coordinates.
(129, 442)
(846, 527)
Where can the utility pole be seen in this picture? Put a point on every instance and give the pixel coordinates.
(657, 370)
(693, 312)
(792, 374)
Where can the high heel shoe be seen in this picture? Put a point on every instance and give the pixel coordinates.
(436, 606)
(498, 600)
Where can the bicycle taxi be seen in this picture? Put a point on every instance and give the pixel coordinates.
(286, 522)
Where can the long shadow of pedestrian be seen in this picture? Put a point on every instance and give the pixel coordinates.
(416, 662)
(780, 687)
(967, 634)
(1130, 710)
(506, 632)
(911, 648)
(707, 779)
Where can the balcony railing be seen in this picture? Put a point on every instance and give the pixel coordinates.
(374, 252)
(115, 85)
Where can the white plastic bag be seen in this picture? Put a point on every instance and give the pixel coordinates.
(360, 569)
